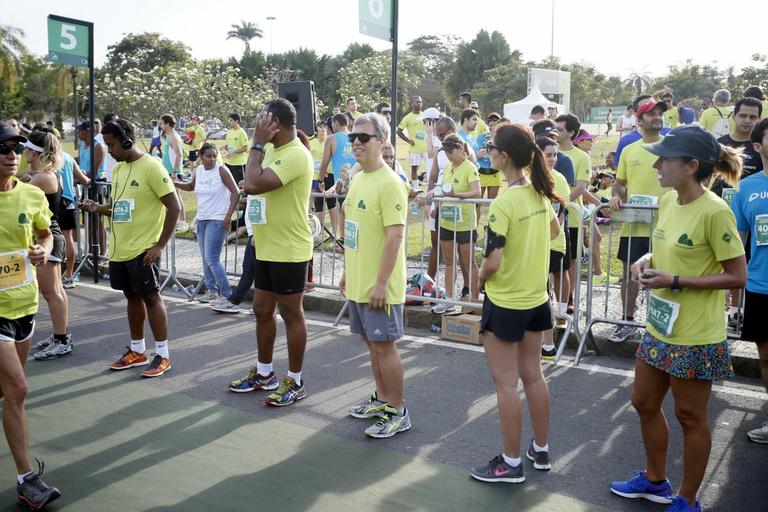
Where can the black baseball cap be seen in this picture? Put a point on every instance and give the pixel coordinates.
(545, 131)
(689, 140)
(9, 134)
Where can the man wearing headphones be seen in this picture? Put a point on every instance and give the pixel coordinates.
(143, 212)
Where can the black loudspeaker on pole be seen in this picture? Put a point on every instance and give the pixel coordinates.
(302, 95)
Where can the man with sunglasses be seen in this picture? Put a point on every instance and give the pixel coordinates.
(374, 276)
(280, 183)
(385, 110)
(25, 243)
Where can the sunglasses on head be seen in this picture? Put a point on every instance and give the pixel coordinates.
(6, 148)
(363, 137)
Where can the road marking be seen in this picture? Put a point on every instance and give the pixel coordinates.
(593, 368)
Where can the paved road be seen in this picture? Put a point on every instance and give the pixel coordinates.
(182, 442)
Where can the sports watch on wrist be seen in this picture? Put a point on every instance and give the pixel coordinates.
(258, 147)
(676, 284)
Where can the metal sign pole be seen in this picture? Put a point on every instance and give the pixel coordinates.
(94, 172)
(394, 74)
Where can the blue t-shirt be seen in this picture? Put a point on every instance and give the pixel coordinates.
(564, 166)
(67, 174)
(343, 154)
(482, 140)
(750, 201)
(628, 139)
(84, 160)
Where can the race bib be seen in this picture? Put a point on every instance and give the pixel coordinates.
(662, 314)
(350, 234)
(451, 213)
(761, 230)
(15, 270)
(728, 194)
(122, 210)
(643, 200)
(257, 210)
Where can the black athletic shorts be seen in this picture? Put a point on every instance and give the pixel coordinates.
(237, 172)
(192, 157)
(556, 259)
(59, 251)
(17, 330)
(330, 202)
(67, 220)
(134, 276)
(640, 247)
(462, 237)
(281, 278)
(573, 243)
(753, 328)
(511, 324)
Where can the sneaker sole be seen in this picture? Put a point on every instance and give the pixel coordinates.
(760, 440)
(256, 388)
(496, 480)
(225, 310)
(134, 365)
(366, 416)
(21, 500)
(49, 358)
(536, 465)
(281, 404)
(387, 436)
(637, 495)
(153, 375)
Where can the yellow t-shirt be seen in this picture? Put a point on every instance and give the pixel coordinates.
(137, 212)
(523, 217)
(765, 109)
(356, 114)
(197, 142)
(582, 170)
(691, 241)
(636, 168)
(479, 129)
(235, 139)
(416, 132)
(316, 148)
(711, 116)
(459, 216)
(375, 200)
(23, 209)
(671, 117)
(279, 217)
(562, 188)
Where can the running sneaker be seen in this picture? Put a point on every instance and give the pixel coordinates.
(220, 300)
(623, 333)
(182, 226)
(159, 366)
(225, 307)
(129, 360)
(68, 283)
(33, 492)
(499, 471)
(443, 308)
(759, 435)
(55, 350)
(287, 393)
(210, 296)
(44, 343)
(254, 382)
(540, 459)
(548, 355)
(389, 424)
(603, 278)
(372, 408)
(680, 504)
(640, 487)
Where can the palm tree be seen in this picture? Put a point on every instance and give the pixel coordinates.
(639, 81)
(245, 32)
(11, 51)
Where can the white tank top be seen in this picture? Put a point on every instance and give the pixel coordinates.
(213, 196)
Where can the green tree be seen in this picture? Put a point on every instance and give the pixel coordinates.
(245, 32)
(145, 51)
(500, 85)
(438, 51)
(485, 51)
(693, 80)
(12, 49)
(638, 81)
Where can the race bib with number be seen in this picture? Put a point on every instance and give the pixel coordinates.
(643, 200)
(761, 230)
(122, 210)
(451, 213)
(15, 270)
(257, 210)
(728, 194)
(350, 234)
(662, 314)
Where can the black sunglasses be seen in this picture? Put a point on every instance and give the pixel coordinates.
(364, 137)
(6, 148)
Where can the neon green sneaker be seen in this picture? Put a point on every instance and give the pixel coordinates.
(602, 278)
(372, 408)
(389, 424)
(287, 393)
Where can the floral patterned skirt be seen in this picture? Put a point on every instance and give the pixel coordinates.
(702, 362)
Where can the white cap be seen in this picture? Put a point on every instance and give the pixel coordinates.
(430, 113)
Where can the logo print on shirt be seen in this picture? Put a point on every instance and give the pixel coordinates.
(684, 240)
(726, 238)
(361, 205)
(23, 218)
(398, 207)
(134, 184)
(492, 218)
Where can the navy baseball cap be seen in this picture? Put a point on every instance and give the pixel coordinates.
(691, 141)
(9, 134)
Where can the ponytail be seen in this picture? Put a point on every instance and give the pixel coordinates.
(728, 167)
(541, 176)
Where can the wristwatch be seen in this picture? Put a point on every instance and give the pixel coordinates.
(676, 284)
(258, 147)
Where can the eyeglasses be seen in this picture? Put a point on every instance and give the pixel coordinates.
(363, 137)
(6, 148)
(490, 147)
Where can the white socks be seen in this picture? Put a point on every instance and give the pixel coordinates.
(161, 348)
(295, 376)
(548, 347)
(138, 346)
(263, 369)
(20, 478)
(538, 448)
(512, 461)
(562, 307)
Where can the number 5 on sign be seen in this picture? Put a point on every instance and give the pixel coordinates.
(68, 41)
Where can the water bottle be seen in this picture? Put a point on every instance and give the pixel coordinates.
(190, 290)
(175, 287)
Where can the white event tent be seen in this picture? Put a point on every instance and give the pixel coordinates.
(520, 111)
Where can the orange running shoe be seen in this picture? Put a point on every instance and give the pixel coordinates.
(129, 360)
(159, 366)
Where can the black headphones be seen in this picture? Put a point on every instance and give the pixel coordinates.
(125, 141)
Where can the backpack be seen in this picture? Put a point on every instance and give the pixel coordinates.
(721, 127)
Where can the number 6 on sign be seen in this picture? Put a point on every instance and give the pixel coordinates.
(68, 34)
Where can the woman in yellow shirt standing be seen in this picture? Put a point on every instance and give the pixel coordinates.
(516, 310)
(697, 255)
